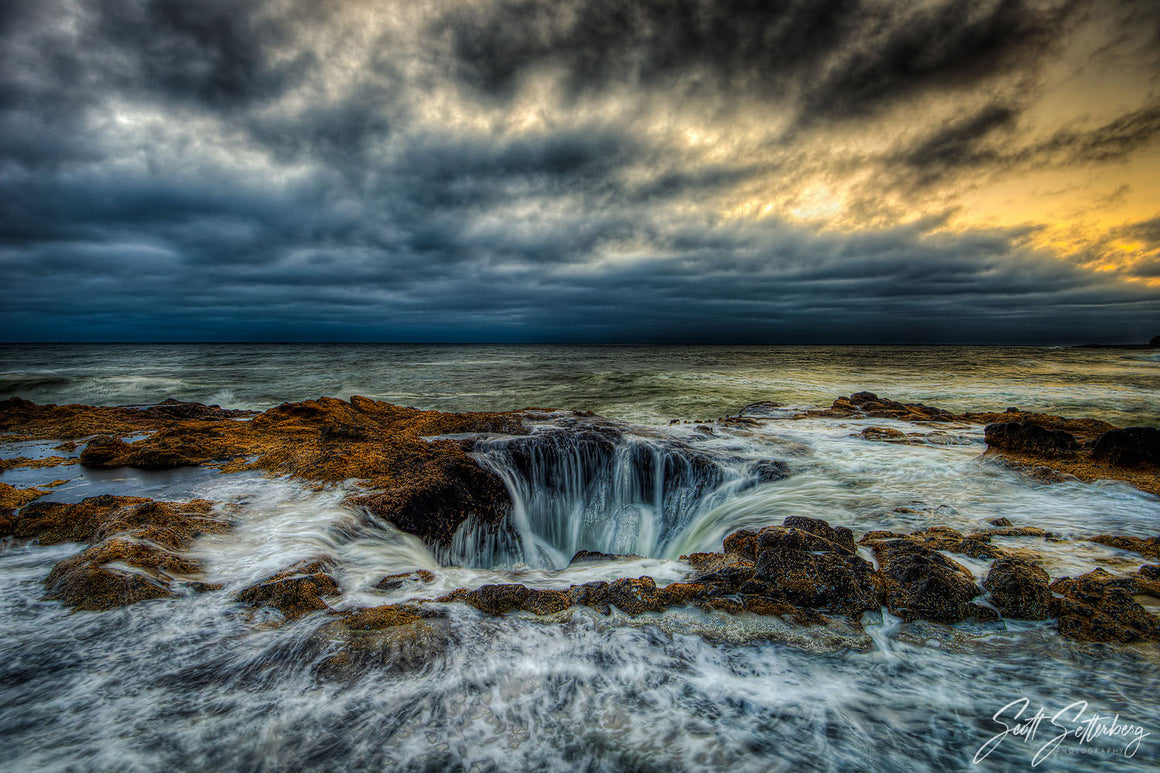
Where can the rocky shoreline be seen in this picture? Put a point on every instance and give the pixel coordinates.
(411, 468)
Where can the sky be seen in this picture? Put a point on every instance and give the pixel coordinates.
(806, 171)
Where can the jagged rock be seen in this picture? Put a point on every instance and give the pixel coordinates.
(631, 596)
(742, 542)
(182, 410)
(877, 535)
(1032, 439)
(139, 571)
(104, 452)
(1147, 581)
(1019, 589)
(400, 637)
(1148, 546)
(393, 581)
(770, 470)
(833, 580)
(295, 591)
(501, 599)
(11, 499)
(839, 535)
(870, 404)
(727, 579)
(884, 435)
(1098, 606)
(924, 584)
(1000, 522)
(1015, 531)
(790, 538)
(378, 618)
(427, 488)
(593, 556)
(941, 538)
(171, 524)
(706, 563)
(437, 497)
(1130, 447)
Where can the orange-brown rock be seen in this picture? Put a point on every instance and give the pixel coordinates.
(868, 404)
(884, 435)
(24, 420)
(921, 583)
(835, 581)
(393, 581)
(171, 524)
(34, 464)
(295, 591)
(942, 538)
(706, 563)
(427, 488)
(1031, 439)
(385, 616)
(1134, 447)
(115, 573)
(1019, 589)
(501, 599)
(1148, 546)
(1098, 606)
(398, 637)
(11, 499)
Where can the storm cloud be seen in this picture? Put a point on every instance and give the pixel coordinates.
(572, 171)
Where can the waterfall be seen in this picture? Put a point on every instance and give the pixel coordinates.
(594, 486)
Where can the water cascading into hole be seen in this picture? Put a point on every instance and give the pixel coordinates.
(596, 488)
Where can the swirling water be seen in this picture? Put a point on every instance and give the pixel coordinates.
(196, 684)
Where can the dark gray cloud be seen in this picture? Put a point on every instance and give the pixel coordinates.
(297, 171)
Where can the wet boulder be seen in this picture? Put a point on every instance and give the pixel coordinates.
(741, 542)
(394, 581)
(706, 563)
(594, 557)
(104, 452)
(632, 596)
(799, 533)
(1031, 439)
(839, 535)
(1129, 447)
(295, 591)
(436, 497)
(921, 583)
(1019, 589)
(1098, 606)
(115, 573)
(832, 580)
(181, 410)
(884, 435)
(952, 541)
(1145, 546)
(172, 524)
(727, 578)
(500, 599)
(12, 499)
(770, 470)
(397, 637)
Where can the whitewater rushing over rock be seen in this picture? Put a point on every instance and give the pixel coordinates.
(588, 484)
(358, 585)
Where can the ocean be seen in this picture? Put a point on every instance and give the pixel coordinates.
(197, 683)
(636, 383)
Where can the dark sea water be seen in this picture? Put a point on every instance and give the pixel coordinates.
(196, 683)
(639, 383)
